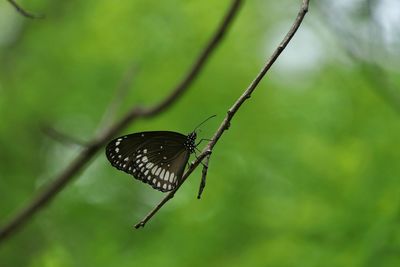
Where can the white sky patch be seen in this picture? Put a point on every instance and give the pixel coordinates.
(10, 23)
(388, 14)
(303, 56)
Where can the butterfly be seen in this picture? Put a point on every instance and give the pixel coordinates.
(157, 158)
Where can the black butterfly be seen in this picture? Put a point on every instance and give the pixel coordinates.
(157, 158)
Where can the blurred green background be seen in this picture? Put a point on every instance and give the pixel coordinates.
(307, 175)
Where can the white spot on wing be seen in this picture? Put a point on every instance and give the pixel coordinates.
(149, 165)
(126, 159)
(117, 143)
(145, 159)
(162, 174)
(116, 149)
(154, 169)
(166, 176)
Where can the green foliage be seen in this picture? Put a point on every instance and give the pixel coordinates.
(307, 175)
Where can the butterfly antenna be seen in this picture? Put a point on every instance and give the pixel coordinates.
(204, 122)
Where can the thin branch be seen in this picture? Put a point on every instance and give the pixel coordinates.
(62, 138)
(377, 76)
(186, 81)
(171, 194)
(121, 92)
(382, 84)
(23, 12)
(203, 176)
(83, 159)
(232, 111)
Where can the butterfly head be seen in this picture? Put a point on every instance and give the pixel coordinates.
(190, 141)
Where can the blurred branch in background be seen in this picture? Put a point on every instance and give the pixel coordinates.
(232, 111)
(23, 12)
(121, 92)
(366, 47)
(62, 137)
(383, 85)
(94, 146)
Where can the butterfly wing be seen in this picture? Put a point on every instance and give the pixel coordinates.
(156, 158)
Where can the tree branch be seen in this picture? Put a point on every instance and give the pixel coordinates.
(61, 137)
(232, 111)
(171, 194)
(203, 176)
(376, 75)
(83, 159)
(121, 91)
(23, 12)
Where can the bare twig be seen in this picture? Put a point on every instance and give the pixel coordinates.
(203, 176)
(93, 147)
(382, 84)
(23, 12)
(61, 137)
(109, 115)
(232, 111)
(121, 92)
(376, 75)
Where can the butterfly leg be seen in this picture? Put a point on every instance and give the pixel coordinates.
(190, 164)
(198, 157)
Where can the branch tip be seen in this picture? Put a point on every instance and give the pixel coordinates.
(204, 173)
(139, 225)
(23, 12)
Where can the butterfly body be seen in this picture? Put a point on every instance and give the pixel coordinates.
(157, 158)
